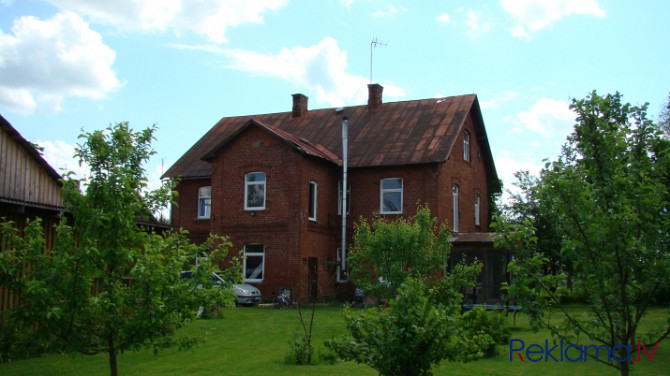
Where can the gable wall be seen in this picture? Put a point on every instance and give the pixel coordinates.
(471, 178)
(23, 178)
(277, 227)
(185, 212)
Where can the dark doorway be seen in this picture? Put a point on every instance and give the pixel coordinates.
(312, 278)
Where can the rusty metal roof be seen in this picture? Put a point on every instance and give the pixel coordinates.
(395, 133)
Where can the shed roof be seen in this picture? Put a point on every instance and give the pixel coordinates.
(391, 134)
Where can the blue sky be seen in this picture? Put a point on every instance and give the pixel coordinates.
(68, 65)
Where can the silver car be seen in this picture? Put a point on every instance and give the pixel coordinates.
(247, 294)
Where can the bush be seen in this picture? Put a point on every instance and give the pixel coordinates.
(486, 328)
(408, 337)
(301, 350)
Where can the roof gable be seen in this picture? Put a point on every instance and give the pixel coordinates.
(391, 134)
(25, 176)
(299, 144)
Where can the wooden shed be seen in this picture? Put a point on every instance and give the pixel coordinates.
(29, 188)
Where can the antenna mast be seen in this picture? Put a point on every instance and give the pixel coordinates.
(374, 44)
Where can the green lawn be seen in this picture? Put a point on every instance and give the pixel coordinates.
(254, 341)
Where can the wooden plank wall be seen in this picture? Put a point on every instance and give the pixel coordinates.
(8, 298)
(23, 177)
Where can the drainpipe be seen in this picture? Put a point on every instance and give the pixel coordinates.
(345, 141)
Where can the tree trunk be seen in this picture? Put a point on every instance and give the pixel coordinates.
(624, 370)
(111, 350)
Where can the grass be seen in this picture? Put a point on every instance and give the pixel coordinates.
(254, 341)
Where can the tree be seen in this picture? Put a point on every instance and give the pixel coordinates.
(386, 253)
(409, 336)
(524, 205)
(608, 197)
(107, 285)
(404, 261)
(664, 119)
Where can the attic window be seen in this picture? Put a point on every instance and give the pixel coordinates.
(466, 146)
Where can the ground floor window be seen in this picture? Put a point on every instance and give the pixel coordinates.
(254, 262)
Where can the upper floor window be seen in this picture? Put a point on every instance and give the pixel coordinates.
(466, 145)
(390, 196)
(204, 202)
(254, 191)
(311, 215)
(339, 195)
(253, 262)
(455, 206)
(477, 220)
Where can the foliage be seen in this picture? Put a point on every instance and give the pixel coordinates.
(608, 196)
(301, 343)
(386, 253)
(107, 285)
(664, 119)
(478, 322)
(525, 205)
(301, 350)
(404, 260)
(406, 338)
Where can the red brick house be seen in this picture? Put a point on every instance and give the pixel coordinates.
(272, 182)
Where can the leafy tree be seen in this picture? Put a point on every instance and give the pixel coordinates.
(524, 205)
(409, 336)
(422, 324)
(386, 253)
(607, 195)
(107, 285)
(664, 120)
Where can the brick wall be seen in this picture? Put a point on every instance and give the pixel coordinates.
(185, 212)
(289, 238)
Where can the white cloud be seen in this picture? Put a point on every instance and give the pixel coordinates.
(443, 18)
(320, 68)
(508, 164)
(549, 118)
(476, 23)
(390, 11)
(211, 18)
(533, 15)
(60, 156)
(42, 61)
(494, 102)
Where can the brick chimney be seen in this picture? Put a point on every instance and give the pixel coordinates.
(299, 105)
(374, 96)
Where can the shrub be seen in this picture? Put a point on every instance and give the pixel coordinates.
(486, 328)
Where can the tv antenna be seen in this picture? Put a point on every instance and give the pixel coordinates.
(374, 44)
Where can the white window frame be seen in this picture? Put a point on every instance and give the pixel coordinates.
(254, 253)
(342, 265)
(383, 191)
(313, 201)
(466, 146)
(248, 184)
(339, 197)
(454, 194)
(477, 206)
(204, 202)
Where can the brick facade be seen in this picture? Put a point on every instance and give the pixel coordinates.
(300, 253)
